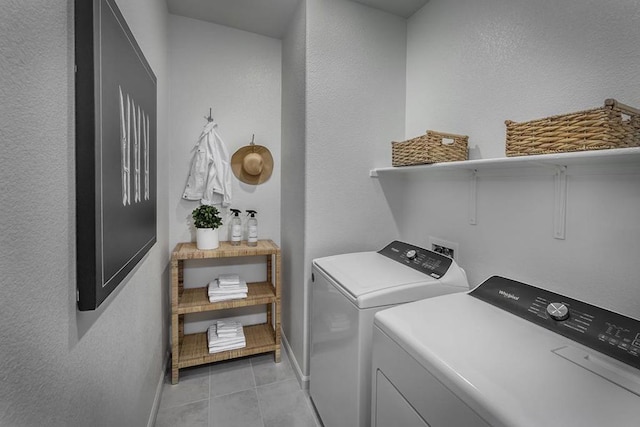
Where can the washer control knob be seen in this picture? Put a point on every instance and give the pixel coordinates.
(558, 311)
(411, 254)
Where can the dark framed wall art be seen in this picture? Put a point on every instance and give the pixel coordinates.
(115, 114)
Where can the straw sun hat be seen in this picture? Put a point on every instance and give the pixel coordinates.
(252, 164)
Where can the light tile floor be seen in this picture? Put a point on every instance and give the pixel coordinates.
(247, 392)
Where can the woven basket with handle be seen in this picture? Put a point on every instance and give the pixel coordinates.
(614, 125)
(433, 147)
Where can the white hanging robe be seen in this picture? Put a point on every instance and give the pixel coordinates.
(210, 174)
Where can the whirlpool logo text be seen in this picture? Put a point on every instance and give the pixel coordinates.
(508, 295)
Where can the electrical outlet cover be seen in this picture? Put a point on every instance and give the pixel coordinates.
(444, 247)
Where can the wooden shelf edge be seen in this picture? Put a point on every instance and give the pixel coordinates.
(188, 250)
(198, 301)
(194, 351)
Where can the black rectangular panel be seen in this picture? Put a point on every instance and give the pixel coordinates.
(420, 259)
(115, 151)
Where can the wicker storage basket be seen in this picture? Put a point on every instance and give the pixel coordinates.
(613, 126)
(429, 148)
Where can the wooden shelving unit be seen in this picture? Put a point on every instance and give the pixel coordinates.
(192, 349)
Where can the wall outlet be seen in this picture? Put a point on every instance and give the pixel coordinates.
(444, 247)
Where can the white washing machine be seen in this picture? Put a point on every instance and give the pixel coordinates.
(347, 291)
(505, 354)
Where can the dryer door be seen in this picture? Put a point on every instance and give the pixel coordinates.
(421, 393)
(391, 409)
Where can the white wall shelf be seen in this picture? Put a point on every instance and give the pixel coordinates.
(622, 160)
(583, 158)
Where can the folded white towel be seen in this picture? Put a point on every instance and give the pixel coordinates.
(230, 333)
(223, 342)
(221, 325)
(214, 339)
(217, 342)
(228, 326)
(227, 344)
(215, 289)
(227, 348)
(232, 286)
(227, 297)
(229, 279)
(225, 326)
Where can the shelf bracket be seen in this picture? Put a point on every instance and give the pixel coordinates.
(473, 198)
(560, 203)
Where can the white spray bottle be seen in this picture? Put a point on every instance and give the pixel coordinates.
(252, 228)
(235, 230)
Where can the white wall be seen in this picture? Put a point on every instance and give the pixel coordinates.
(473, 65)
(238, 75)
(293, 181)
(470, 66)
(60, 367)
(355, 108)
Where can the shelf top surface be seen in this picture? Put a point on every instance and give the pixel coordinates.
(619, 155)
(194, 300)
(188, 250)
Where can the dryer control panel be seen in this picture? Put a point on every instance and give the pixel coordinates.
(610, 333)
(423, 260)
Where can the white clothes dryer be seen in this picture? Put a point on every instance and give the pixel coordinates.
(347, 291)
(506, 354)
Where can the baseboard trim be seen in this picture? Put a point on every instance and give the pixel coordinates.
(303, 380)
(156, 401)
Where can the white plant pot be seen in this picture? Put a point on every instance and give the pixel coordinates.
(207, 238)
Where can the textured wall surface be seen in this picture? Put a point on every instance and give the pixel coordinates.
(355, 108)
(59, 367)
(473, 65)
(238, 75)
(293, 181)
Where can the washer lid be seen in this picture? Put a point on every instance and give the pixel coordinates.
(508, 370)
(370, 279)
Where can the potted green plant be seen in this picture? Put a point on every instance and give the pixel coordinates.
(206, 219)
